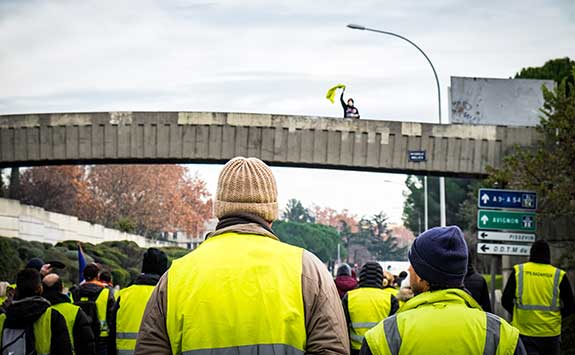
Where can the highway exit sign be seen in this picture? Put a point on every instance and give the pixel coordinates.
(495, 198)
(506, 220)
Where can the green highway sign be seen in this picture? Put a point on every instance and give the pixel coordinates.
(505, 220)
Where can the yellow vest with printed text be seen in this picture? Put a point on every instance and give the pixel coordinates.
(442, 322)
(42, 330)
(537, 310)
(367, 307)
(239, 292)
(132, 304)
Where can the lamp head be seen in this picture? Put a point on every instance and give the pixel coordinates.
(356, 27)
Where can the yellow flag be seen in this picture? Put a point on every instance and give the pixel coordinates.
(331, 92)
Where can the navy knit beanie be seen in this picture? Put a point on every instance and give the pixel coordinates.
(439, 256)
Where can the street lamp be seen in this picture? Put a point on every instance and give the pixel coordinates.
(441, 179)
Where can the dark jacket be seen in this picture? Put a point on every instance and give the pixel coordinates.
(477, 287)
(92, 290)
(23, 313)
(348, 111)
(345, 283)
(84, 340)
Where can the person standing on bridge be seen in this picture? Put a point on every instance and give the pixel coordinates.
(349, 109)
(243, 291)
(442, 318)
(538, 295)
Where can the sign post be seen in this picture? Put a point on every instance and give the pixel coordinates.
(505, 216)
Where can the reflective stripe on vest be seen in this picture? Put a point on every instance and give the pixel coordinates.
(537, 306)
(367, 307)
(260, 349)
(132, 304)
(42, 332)
(69, 312)
(237, 293)
(456, 327)
(102, 308)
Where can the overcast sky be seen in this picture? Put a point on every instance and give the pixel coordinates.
(273, 57)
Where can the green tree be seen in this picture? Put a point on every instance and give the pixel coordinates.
(456, 190)
(554, 69)
(295, 212)
(317, 238)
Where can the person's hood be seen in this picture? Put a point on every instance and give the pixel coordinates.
(88, 289)
(345, 282)
(23, 313)
(147, 279)
(470, 270)
(55, 297)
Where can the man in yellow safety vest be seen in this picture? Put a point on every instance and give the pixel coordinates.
(368, 304)
(442, 318)
(132, 300)
(77, 322)
(538, 295)
(98, 303)
(30, 325)
(243, 291)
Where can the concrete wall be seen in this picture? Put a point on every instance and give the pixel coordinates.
(36, 224)
(303, 141)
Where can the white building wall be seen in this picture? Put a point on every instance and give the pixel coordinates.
(36, 224)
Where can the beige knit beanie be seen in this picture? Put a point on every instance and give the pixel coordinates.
(247, 185)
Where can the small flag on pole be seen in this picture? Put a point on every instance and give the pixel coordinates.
(331, 92)
(81, 263)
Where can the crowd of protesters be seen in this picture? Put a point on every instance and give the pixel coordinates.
(245, 292)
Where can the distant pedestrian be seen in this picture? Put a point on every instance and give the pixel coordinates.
(349, 109)
(243, 291)
(77, 323)
(368, 304)
(30, 325)
(132, 300)
(442, 318)
(343, 280)
(538, 295)
(477, 286)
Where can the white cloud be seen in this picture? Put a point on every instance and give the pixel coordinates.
(269, 56)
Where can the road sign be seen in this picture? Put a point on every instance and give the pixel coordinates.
(417, 156)
(506, 220)
(493, 198)
(506, 236)
(503, 249)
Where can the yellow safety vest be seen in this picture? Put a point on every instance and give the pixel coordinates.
(239, 292)
(133, 301)
(69, 311)
(42, 329)
(367, 307)
(442, 322)
(391, 291)
(537, 310)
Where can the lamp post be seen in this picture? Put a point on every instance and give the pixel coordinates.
(441, 179)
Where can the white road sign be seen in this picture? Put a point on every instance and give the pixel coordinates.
(506, 236)
(503, 249)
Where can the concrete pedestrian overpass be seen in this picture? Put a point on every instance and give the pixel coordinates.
(284, 140)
